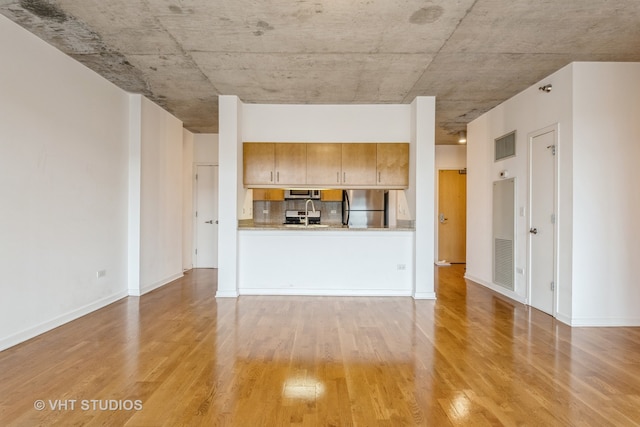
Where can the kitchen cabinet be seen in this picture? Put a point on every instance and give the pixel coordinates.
(392, 165)
(324, 164)
(332, 165)
(358, 164)
(266, 163)
(270, 194)
(331, 195)
(291, 164)
(258, 163)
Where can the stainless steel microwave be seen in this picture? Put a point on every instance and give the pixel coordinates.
(301, 193)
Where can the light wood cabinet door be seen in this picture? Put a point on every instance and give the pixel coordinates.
(324, 164)
(358, 164)
(258, 163)
(271, 194)
(291, 164)
(331, 195)
(392, 165)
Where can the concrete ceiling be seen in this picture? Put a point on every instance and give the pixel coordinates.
(470, 54)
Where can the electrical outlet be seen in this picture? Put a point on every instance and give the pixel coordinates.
(333, 211)
(265, 211)
(402, 266)
(520, 270)
(101, 273)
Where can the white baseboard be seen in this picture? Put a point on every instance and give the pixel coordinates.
(326, 292)
(227, 294)
(564, 318)
(604, 322)
(156, 285)
(424, 295)
(34, 331)
(499, 289)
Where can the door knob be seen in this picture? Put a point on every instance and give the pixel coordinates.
(442, 218)
(209, 222)
(533, 231)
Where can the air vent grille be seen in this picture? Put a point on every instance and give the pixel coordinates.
(504, 263)
(505, 146)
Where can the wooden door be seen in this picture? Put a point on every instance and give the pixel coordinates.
(393, 165)
(358, 164)
(324, 164)
(291, 164)
(452, 216)
(258, 163)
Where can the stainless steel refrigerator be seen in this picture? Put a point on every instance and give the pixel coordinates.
(364, 208)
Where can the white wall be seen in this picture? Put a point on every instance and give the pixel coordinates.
(188, 157)
(326, 123)
(606, 199)
(205, 148)
(525, 113)
(451, 157)
(63, 164)
(230, 178)
(595, 106)
(421, 192)
(161, 186)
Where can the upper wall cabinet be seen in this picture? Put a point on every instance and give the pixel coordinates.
(324, 164)
(274, 164)
(328, 165)
(291, 164)
(358, 164)
(392, 165)
(258, 163)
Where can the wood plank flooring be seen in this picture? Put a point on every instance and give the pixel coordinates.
(471, 358)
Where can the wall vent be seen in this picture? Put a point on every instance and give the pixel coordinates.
(504, 226)
(505, 146)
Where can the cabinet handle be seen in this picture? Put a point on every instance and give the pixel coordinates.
(278, 176)
(338, 177)
(344, 177)
(271, 179)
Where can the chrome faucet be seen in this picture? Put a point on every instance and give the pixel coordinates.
(306, 211)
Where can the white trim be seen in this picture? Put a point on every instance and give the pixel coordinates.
(496, 288)
(153, 286)
(563, 318)
(605, 322)
(227, 294)
(34, 331)
(327, 292)
(424, 295)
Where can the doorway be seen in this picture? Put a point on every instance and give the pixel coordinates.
(206, 217)
(452, 216)
(543, 148)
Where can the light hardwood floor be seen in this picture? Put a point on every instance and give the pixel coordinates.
(469, 358)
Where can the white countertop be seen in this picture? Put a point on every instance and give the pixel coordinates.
(323, 227)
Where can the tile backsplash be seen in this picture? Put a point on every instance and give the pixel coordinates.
(272, 212)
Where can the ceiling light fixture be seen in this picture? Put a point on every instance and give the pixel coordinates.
(462, 137)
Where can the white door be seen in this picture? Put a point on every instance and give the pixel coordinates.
(542, 220)
(206, 219)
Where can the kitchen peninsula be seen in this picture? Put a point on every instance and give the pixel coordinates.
(281, 260)
(273, 259)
